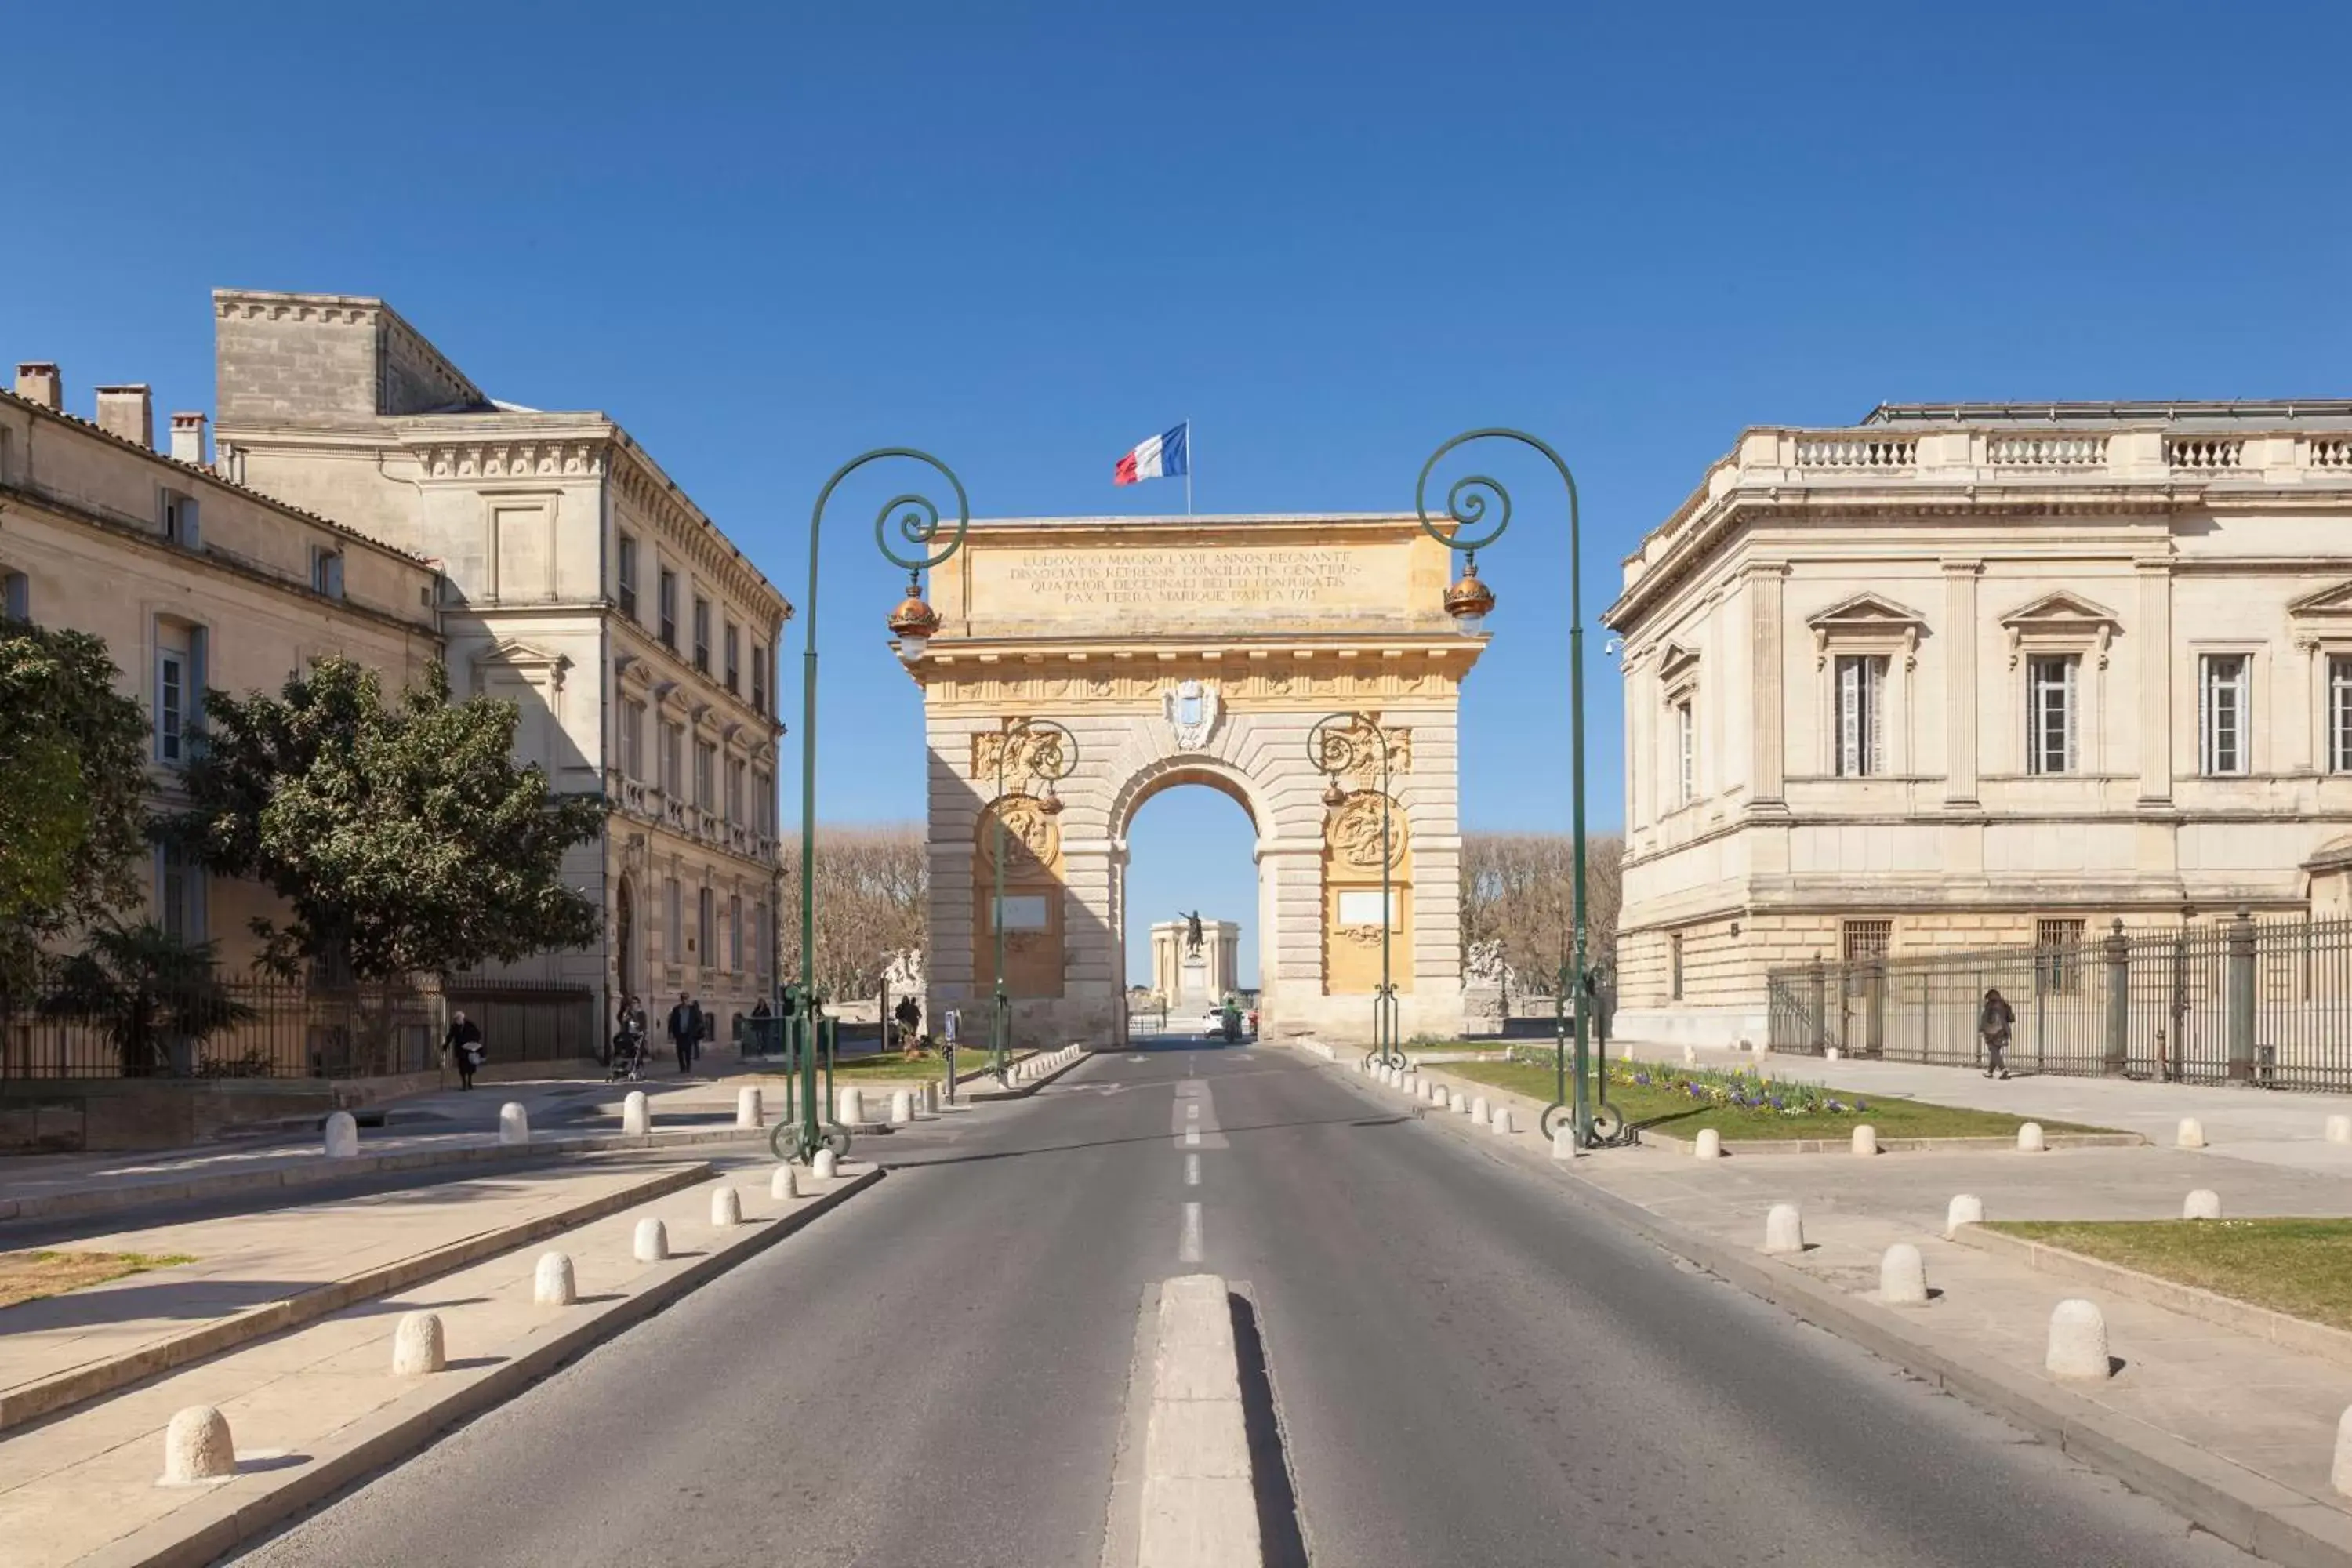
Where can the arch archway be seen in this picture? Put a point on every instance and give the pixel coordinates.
(1200, 651)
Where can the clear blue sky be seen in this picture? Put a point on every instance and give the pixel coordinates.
(1026, 235)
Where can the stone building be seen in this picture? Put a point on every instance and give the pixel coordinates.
(1977, 674)
(1183, 976)
(582, 583)
(192, 581)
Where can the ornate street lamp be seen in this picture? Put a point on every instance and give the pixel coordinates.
(914, 622)
(1468, 601)
(1047, 754)
(1345, 744)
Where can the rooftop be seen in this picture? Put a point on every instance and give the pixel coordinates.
(2318, 413)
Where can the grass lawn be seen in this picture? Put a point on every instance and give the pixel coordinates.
(29, 1275)
(1671, 1111)
(2299, 1266)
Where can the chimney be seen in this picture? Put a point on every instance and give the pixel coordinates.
(188, 439)
(39, 383)
(128, 412)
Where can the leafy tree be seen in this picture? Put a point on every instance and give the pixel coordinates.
(403, 838)
(73, 771)
(145, 989)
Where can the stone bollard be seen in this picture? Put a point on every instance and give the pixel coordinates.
(2340, 1474)
(1965, 1209)
(2078, 1340)
(1409, 1083)
(931, 1098)
(2190, 1134)
(652, 1243)
(1437, 1095)
(2029, 1139)
(197, 1447)
(784, 1184)
(1709, 1145)
(1831, 1053)
(823, 1166)
(636, 1115)
(551, 1283)
(1690, 1056)
(1461, 1105)
(1478, 1111)
(1784, 1229)
(2203, 1204)
(749, 1115)
(850, 1109)
(417, 1346)
(514, 1124)
(1564, 1142)
(1901, 1276)
(1500, 1120)
(1865, 1139)
(902, 1106)
(2339, 1130)
(342, 1136)
(725, 1208)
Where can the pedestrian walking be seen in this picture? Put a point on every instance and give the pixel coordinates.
(1993, 1021)
(682, 1022)
(462, 1044)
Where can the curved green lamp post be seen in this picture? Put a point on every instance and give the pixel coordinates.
(1350, 748)
(1048, 753)
(914, 622)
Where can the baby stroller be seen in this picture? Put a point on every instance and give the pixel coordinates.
(629, 1063)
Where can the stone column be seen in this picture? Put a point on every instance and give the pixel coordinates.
(1959, 631)
(2155, 634)
(1091, 999)
(1768, 761)
(1290, 871)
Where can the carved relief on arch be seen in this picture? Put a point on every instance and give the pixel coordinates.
(1353, 833)
(1032, 842)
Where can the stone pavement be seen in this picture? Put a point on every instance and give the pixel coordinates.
(82, 1483)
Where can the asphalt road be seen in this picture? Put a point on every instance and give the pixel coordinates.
(1468, 1368)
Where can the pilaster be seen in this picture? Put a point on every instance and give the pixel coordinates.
(2155, 632)
(1768, 762)
(1960, 683)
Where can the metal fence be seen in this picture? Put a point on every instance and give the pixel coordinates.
(2267, 1002)
(265, 1029)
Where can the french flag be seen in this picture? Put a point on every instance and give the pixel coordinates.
(1164, 456)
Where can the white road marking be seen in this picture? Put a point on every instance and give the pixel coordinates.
(1192, 1112)
(1188, 1250)
(1192, 1170)
(1192, 1138)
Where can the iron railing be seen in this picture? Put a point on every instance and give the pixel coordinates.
(2239, 1000)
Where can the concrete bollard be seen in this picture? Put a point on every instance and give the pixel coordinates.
(197, 1447)
(2340, 1474)
(849, 1108)
(902, 1106)
(1460, 1104)
(1865, 1139)
(514, 1124)
(1784, 1229)
(1564, 1142)
(342, 1136)
(552, 1283)
(652, 1243)
(2078, 1340)
(725, 1208)
(1500, 1120)
(1901, 1276)
(823, 1166)
(2029, 1139)
(1709, 1145)
(1478, 1111)
(750, 1115)
(1831, 1053)
(784, 1184)
(2190, 1134)
(2203, 1204)
(1690, 1056)
(2339, 1130)
(931, 1098)
(636, 1114)
(1437, 1095)
(417, 1345)
(1965, 1209)
(1410, 1083)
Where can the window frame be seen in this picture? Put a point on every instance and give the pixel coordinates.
(731, 638)
(1858, 735)
(673, 917)
(706, 763)
(2241, 692)
(625, 574)
(665, 607)
(701, 635)
(1673, 966)
(16, 596)
(706, 926)
(327, 571)
(2337, 708)
(1685, 710)
(760, 678)
(182, 518)
(2070, 688)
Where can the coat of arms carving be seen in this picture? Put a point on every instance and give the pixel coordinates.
(1191, 708)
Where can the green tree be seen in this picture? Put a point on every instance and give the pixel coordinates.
(403, 838)
(144, 989)
(73, 775)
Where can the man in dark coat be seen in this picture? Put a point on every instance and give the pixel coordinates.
(685, 1028)
(1993, 1021)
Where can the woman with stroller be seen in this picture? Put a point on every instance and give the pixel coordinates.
(629, 1043)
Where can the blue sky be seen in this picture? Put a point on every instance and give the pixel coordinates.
(1026, 235)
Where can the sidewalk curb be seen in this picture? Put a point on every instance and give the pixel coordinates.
(61, 1391)
(318, 1168)
(198, 1534)
(981, 1095)
(2283, 1329)
(2250, 1512)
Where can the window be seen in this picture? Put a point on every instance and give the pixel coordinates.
(2051, 700)
(1685, 753)
(633, 740)
(702, 636)
(674, 942)
(2339, 711)
(706, 912)
(734, 792)
(16, 595)
(734, 663)
(625, 577)
(1867, 939)
(179, 895)
(2223, 679)
(179, 689)
(668, 606)
(671, 780)
(760, 677)
(326, 572)
(1675, 966)
(735, 932)
(2058, 957)
(705, 760)
(1861, 702)
(180, 526)
(763, 802)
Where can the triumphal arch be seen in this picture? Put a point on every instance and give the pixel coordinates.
(1195, 650)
